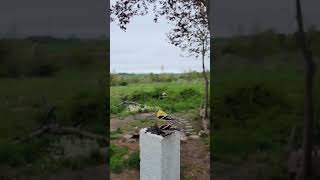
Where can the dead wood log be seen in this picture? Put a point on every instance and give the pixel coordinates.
(129, 102)
(60, 130)
(77, 132)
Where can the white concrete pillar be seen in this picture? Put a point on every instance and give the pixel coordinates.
(159, 156)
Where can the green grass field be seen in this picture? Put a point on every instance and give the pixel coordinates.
(77, 87)
(255, 107)
(146, 93)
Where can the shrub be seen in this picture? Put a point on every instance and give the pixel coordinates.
(117, 164)
(88, 107)
(143, 96)
(81, 56)
(245, 103)
(188, 93)
(44, 70)
(17, 155)
(123, 83)
(24, 58)
(134, 160)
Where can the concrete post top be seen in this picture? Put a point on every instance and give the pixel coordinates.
(160, 137)
(159, 156)
(143, 130)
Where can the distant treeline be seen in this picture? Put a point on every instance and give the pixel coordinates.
(123, 79)
(45, 56)
(266, 43)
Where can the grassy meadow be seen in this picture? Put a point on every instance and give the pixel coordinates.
(36, 74)
(258, 89)
(184, 95)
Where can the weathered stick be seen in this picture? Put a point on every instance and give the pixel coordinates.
(60, 130)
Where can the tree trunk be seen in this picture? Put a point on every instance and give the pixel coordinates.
(308, 94)
(206, 97)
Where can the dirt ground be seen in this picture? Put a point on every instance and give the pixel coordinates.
(195, 161)
(195, 157)
(96, 173)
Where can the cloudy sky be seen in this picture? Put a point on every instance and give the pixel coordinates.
(144, 48)
(83, 18)
(232, 16)
(89, 18)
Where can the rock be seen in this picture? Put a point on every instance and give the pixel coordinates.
(132, 141)
(126, 137)
(194, 137)
(187, 134)
(183, 137)
(135, 136)
(202, 133)
(136, 130)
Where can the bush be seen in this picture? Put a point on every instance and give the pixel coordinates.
(244, 103)
(134, 160)
(24, 58)
(188, 93)
(123, 83)
(44, 70)
(88, 107)
(17, 155)
(117, 163)
(81, 56)
(143, 96)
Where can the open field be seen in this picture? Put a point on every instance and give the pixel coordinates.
(258, 100)
(69, 75)
(184, 95)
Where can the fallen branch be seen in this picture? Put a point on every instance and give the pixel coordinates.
(60, 130)
(36, 133)
(130, 102)
(78, 132)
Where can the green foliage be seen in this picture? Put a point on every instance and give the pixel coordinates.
(176, 98)
(244, 103)
(189, 93)
(141, 96)
(118, 162)
(81, 56)
(123, 83)
(134, 160)
(257, 46)
(47, 56)
(20, 154)
(116, 134)
(24, 58)
(118, 80)
(88, 107)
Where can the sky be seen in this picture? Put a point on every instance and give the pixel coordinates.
(83, 18)
(144, 48)
(87, 18)
(232, 16)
